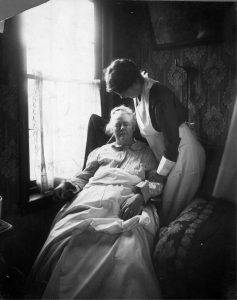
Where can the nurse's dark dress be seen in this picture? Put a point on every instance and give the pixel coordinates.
(161, 120)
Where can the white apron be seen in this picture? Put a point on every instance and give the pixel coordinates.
(184, 179)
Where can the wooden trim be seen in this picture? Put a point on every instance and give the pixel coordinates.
(23, 121)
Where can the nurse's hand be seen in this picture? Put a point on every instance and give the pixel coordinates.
(155, 177)
(132, 207)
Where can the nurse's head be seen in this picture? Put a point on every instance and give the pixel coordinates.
(122, 125)
(124, 78)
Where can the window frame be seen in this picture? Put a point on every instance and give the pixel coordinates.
(29, 190)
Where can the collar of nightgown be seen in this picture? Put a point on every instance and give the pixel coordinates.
(136, 146)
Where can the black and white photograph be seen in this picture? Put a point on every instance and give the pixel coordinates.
(118, 149)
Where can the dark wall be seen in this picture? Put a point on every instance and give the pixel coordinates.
(212, 73)
(9, 119)
(211, 68)
(20, 246)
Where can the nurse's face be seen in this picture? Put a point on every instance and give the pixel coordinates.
(123, 128)
(133, 91)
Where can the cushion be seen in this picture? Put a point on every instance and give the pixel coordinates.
(195, 256)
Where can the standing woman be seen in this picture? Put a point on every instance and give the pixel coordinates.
(161, 119)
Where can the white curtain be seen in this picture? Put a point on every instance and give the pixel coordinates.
(62, 92)
(226, 182)
(59, 127)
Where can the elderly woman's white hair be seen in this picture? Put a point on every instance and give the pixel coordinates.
(121, 109)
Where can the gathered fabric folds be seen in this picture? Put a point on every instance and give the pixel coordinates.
(92, 253)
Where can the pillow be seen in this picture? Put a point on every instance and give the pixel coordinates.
(195, 255)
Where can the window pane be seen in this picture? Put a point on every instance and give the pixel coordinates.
(59, 36)
(62, 94)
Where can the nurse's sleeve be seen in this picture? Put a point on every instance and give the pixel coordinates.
(167, 120)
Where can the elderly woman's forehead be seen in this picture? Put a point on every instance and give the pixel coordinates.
(120, 116)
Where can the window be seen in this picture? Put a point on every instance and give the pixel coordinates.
(62, 92)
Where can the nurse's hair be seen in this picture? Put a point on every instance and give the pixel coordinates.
(122, 109)
(121, 74)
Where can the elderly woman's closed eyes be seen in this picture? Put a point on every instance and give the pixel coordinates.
(90, 250)
(161, 118)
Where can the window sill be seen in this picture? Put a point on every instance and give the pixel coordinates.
(38, 201)
(40, 197)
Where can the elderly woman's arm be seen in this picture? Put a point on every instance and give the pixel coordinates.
(70, 187)
(152, 186)
(143, 191)
(82, 178)
(132, 207)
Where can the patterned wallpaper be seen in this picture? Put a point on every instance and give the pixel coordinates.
(210, 89)
(212, 84)
(211, 68)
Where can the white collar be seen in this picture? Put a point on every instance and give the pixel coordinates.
(136, 146)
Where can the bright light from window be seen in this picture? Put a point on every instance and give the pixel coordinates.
(56, 43)
(59, 41)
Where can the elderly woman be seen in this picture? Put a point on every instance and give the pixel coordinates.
(161, 120)
(100, 243)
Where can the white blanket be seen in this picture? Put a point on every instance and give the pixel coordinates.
(91, 252)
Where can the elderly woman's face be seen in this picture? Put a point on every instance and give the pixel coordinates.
(123, 128)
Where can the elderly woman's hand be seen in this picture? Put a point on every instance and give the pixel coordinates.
(153, 176)
(64, 191)
(131, 207)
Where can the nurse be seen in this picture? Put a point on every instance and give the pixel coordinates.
(161, 119)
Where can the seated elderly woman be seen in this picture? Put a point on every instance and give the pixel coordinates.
(101, 241)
